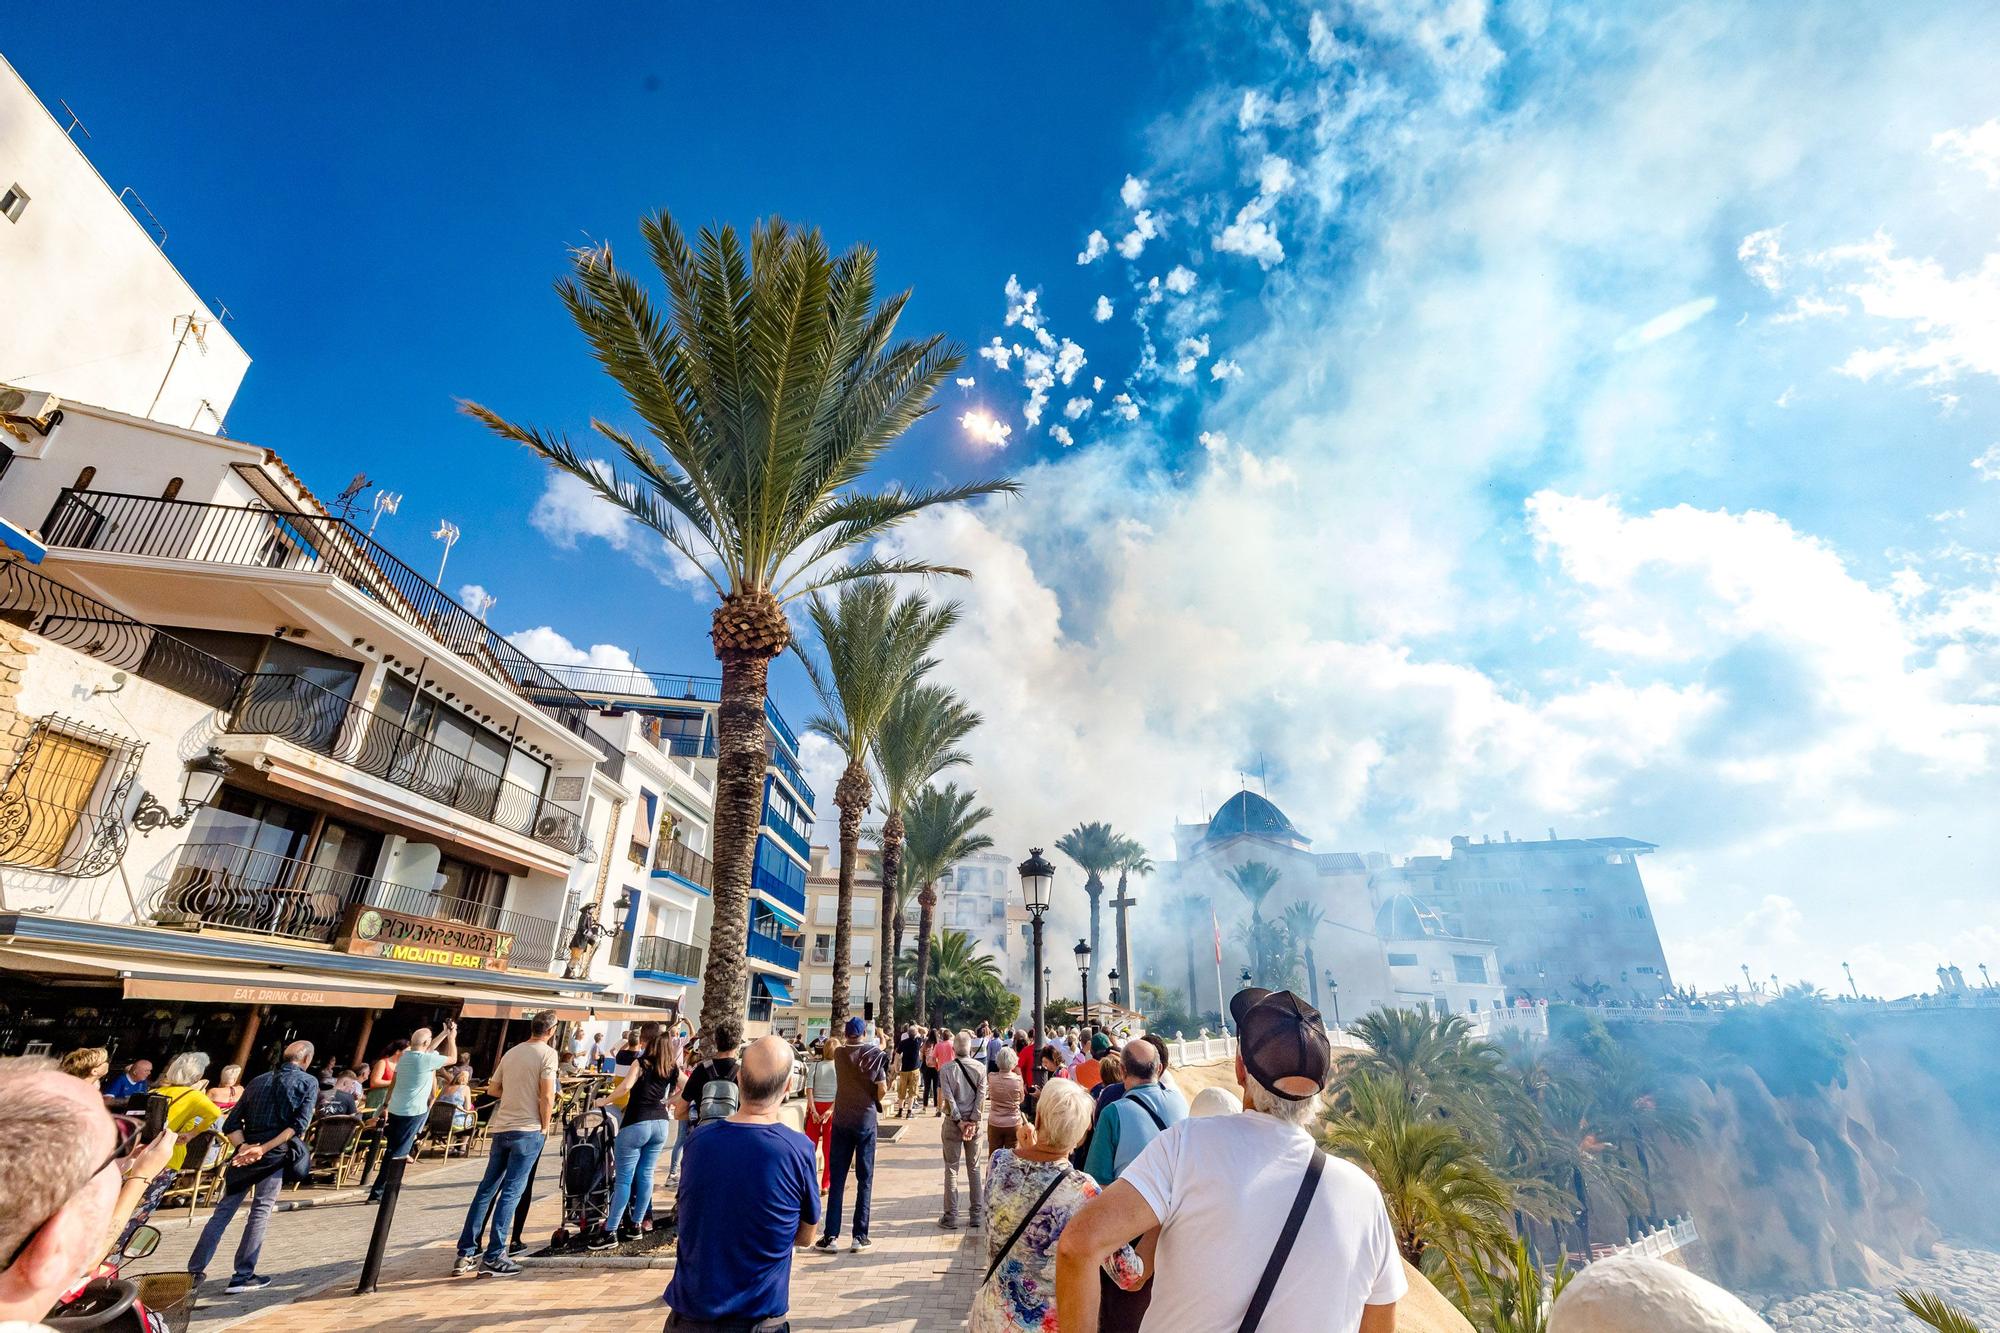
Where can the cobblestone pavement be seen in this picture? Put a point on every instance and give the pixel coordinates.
(914, 1278)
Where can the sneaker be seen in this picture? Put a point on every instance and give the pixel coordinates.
(826, 1243)
(463, 1264)
(627, 1232)
(948, 1223)
(498, 1268)
(197, 1278)
(597, 1238)
(255, 1282)
(860, 1243)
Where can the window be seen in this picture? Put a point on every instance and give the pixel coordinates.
(1402, 960)
(62, 806)
(864, 911)
(14, 203)
(1470, 968)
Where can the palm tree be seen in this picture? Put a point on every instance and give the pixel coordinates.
(876, 646)
(1095, 849)
(1516, 1299)
(919, 739)
(1255, 880)
(1192, 909)
(1936, 1311)
(940, 826)
(1448, 1207)
(766, 390)
(1302, 922)
(953, 956)
(1132, 860)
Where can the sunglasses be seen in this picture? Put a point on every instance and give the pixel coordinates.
(125, 1135)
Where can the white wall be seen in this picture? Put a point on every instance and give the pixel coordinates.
(91, 301)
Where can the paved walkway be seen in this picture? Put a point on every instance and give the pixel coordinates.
(914, 1279)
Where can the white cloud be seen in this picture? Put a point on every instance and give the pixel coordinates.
(1094, 248)
(1144, 228)
(1976, 146)
(999, 353)
(1060, 434)
(1224, 370)
(1103, 310)
(1097, 384)
(1021, 304)
(1953, 319)
(1274, 176)
(1763, 258)
(476, 599)
(1987, 465)
(1191, 352)
(985, 428)
(545, 645)
(1125, 406)
(1076, 407)
(1180, 280)
(1133, 192)
(1666, 324)
(965, 381)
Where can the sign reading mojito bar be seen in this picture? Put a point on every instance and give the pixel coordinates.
(422, 939)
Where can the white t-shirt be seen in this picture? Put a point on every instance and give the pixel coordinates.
(1222, 1188)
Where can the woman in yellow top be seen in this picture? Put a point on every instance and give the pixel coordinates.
(190, 1109)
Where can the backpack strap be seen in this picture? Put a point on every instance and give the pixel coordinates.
(1145, 1106)
(1001, 1254)
(1286, 1238)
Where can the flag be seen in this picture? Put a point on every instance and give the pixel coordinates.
(1217, 931)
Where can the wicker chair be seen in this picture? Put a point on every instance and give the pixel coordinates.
(331, 1143)
(442, 1128)
(200, 1179)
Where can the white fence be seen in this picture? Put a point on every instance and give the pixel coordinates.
(1655, 1244)
(1204, 1049)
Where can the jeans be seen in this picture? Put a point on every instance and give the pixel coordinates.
(509, 1163)
(956, 1149)
(263, 1198)
(681, 1128)
(637, 1153)
(851, 1148)
(399, 1135)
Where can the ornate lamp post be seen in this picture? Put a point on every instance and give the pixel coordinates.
(199, 784)
(1856, 989)
(868, 990)
(1112, 977)
(1082, 952)
(1333, 989)
(1038, 878)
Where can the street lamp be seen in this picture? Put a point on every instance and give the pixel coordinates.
(1856, 989)
(1038, 879)
(199, 784)
(868, 991)
(1112, 977)
(1082, 952)
(1333, 989)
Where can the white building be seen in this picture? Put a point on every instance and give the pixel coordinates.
(93, 311)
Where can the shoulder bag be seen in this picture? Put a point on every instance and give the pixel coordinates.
(1268, 1283)
(1001, 1254)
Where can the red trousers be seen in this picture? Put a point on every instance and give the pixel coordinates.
(822, 1135)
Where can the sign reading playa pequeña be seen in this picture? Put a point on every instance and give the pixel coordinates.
(422, 939)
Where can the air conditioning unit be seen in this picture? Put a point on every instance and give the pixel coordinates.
(29, 417)
(548, 826)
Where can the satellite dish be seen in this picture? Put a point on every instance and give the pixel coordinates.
(11, 400)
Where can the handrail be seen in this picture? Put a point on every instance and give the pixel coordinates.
(686, 862)
(293, 708)
(211, 533)
(634, 683)
(63, 615)
(657, 953)
(788, 768)
(234, 887)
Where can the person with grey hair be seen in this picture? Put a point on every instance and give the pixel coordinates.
(268, 1126)
(749, 1197)
(1254, 1222)
(411, 1092)
(961, 1091)
(1125, 1126)
(190, 1109)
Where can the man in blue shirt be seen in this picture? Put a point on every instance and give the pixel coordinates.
(135, 1081)
(749, 1196)
(274, 1111)
(1128, 1124)
(411, 1093)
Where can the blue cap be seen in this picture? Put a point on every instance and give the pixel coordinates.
(855, 1027)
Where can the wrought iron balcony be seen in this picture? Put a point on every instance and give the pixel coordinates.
(62, 615)
(292, 708)
(657, 953)
(145, 525)
(601, 682)
(228, 886)
(685, 862)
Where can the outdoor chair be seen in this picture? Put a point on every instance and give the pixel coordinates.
(200, 1178)
(441, 1128)
(331, 1141)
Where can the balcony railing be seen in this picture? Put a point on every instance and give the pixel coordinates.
(771, 949)
(146, 525)
(294, 709)
(598, 682)
(778, 725)
(656, 953)
(228, 886)
(62, 615)
(764, 881)
(790, 836)
(685, 862)
(789, 769)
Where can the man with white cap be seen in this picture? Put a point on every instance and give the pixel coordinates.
(1257, 1227)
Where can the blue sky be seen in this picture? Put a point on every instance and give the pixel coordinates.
(1530, 416)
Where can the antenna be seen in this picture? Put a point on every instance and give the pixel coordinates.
(447, 532)
(480, 602)
(75, 121)
(344, 502)
(1263, 786)
(385, 502)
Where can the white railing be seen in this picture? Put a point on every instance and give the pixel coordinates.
(1530, 1021)
(1206, 1049)
(1655, 1244)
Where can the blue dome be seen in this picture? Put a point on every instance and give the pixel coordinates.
(1404, 918)
(1248, 813)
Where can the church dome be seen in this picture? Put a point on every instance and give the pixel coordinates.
(1404, 918)
(1248, 813)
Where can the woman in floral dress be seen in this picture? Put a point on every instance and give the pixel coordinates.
(1020, 1296)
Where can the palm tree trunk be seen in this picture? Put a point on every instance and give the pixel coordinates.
(1095, 888)
(850, 797)
(891, 946)
(739, 797)
(1193, 1005)
(1120, 925)
(927, 904)
(1312, 975)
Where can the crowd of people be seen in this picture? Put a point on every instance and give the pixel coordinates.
(1101, 1190)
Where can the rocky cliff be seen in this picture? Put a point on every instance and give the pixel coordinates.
(1796, 1185)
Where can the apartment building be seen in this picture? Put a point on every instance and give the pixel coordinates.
(811, 1016)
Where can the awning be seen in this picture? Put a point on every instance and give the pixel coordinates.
(569, 1010)
(784, 914)
(773, 988)
(152, 978)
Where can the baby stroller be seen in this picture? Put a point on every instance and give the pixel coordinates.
(589, 1167)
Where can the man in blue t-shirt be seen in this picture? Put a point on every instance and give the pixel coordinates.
(135, 1081)
(411, 1094)
(749, 1196)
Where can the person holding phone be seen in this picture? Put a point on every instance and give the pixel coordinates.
(411, 1092)
(181, 1103)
